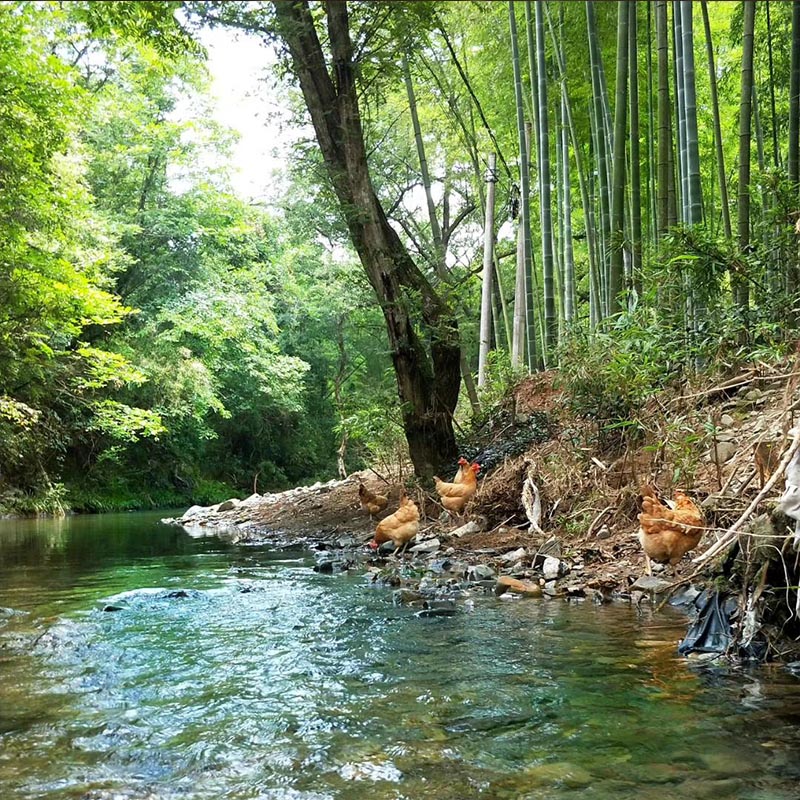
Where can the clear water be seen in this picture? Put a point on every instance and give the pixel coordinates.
(268, 680)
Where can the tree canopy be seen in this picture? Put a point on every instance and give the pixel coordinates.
(162, 338)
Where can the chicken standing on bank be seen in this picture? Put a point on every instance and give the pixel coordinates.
(371, 502)
(462, 464)
(454, 496)
(668, 533)
(400, 527)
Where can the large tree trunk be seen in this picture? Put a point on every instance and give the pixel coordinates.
(428, 381)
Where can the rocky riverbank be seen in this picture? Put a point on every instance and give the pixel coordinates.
(720, 442)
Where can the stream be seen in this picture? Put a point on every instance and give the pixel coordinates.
(239, 672)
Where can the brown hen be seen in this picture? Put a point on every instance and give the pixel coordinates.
(454, 496)
(400, 527)
(667, 534)
(371, 502)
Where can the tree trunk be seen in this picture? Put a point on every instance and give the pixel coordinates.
(694, 204)
(618, 193)
(601, 149)
(652, 206)
(741, 290)
(721, 174)
(525, 197)
(428, 381)
(636, 177)
(776, 153)
(566, 211)
(793, 159)
(545, 214)
(664, 119)
(588, 210)
(793, 156)
(680, 109)
(488, 260)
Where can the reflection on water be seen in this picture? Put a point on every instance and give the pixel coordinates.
(240, 673)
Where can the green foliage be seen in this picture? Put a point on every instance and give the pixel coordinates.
(501, 377)
(610, 375)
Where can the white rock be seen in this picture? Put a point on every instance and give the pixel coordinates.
(253, 500)
(464, 530)
(551, 568)
(195, 511)
(513, 556)
(430, 546)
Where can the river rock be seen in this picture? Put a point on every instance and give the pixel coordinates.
(436, 612)
(722, 452)
(465, 530)
(195, 511)
(551, 568)
(650, 583)
(113, 608)
(387, 547)
(253, 500)
(177, 594)
(403, 597)
(558, 774)
(505, 583)
(428, 546)
(727, 421)
(480, 572)
(513, 556)
(229, 505)
(440, 602)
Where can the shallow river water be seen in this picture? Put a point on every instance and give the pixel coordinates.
(239, 672)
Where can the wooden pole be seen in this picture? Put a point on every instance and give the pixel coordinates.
(488, 264)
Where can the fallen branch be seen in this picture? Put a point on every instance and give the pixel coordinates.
(731, 534)
(733, 383)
